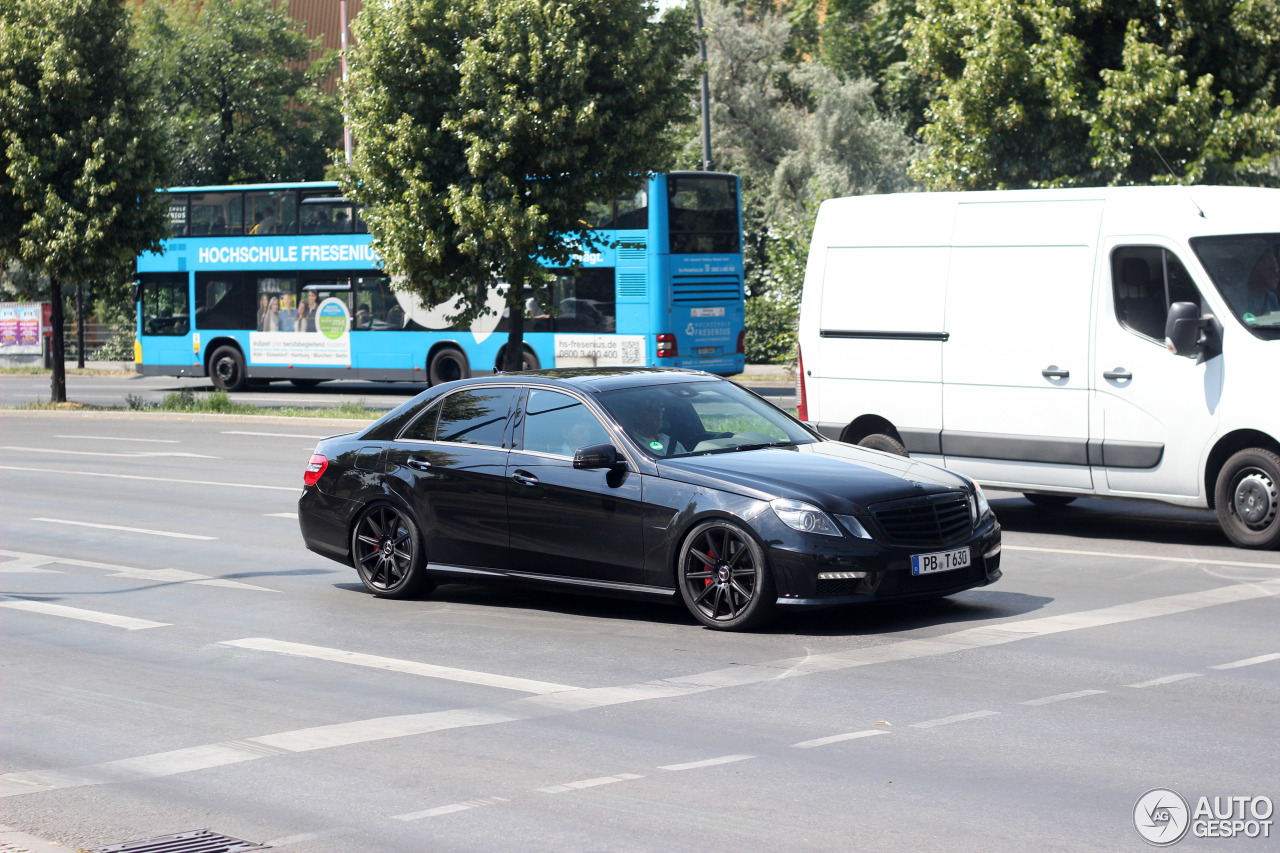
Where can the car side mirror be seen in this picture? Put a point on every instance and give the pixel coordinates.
(596, 456)
(1182, 329)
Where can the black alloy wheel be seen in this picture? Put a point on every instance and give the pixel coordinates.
(1247, 498)
(226, 369)
(723, 578)
(387, 550)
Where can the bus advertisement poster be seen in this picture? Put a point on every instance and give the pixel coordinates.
(600, 350)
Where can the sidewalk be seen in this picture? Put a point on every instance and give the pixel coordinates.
(14, 841)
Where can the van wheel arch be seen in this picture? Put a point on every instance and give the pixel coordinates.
(1227, 446)
(877, 432)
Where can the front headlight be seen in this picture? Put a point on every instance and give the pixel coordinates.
(978, 506)
(804, 517)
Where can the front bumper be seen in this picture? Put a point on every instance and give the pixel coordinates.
(886, 570)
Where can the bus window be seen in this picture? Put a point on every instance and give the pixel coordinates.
(633, 209)
(164, 304)
(377, 308)
(277, 308)
(316, 291)
(599, 215)
(222, 301)
(272, 211)
(326, 213)
(217, 214)
(178, 203)
(585, 299)
(703, 214)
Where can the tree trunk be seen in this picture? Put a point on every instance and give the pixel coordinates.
(80, 325)
(513, 354)
(59, 390)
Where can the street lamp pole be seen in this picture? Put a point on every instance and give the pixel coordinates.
(706, 92)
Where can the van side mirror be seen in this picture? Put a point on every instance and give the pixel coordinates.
(1188, 334)
(596, 456)
(1182, 329)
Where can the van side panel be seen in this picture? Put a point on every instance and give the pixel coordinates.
(1016, 362)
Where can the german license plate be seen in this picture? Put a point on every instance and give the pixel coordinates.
(940, 561)
(705, 350)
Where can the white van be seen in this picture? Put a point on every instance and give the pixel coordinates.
(1020, 338)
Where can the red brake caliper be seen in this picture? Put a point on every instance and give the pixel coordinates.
(712, 558)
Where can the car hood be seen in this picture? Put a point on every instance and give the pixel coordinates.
(841, 478)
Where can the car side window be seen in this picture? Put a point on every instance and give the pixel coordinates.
(423, 427)
(475, 417)
(557, 423)
(1145, 280)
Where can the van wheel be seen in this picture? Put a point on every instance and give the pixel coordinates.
(447, 365)
(887, 443)
(1049, 501)
(226, 369)
(1248, 498)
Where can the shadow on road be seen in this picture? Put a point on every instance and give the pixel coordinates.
(1127, 520)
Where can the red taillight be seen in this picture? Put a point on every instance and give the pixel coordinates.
(742, 343)
(802, 403)
(667, 346)
(315, 469)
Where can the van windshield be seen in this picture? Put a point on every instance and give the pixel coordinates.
(1246, 270)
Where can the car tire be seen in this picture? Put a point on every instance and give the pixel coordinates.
(724, 578)
(448, 365)
(887, 443)
(1247, 498)
(305, 384)
(226, 369)
(387, 551)
(1049, 501)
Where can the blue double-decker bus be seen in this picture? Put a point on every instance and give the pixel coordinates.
(281, 282)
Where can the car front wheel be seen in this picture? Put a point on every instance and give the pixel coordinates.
(724, 579)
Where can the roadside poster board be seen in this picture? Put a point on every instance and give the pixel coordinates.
(21, 326)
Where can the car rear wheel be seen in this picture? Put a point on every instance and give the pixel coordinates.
(724, 579)
(388, 553)
(1247, 498)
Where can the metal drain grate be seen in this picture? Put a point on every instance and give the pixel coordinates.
(195, 841)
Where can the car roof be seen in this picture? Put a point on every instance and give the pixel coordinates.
(596, 379)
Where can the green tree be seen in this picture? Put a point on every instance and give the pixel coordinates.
(79, 158)
(1044, 93)
(241, 97)
(486, 128)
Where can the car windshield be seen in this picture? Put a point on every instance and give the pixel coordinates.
(696, 418)
(1246, 270)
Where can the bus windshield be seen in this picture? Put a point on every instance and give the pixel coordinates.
(703, 214)
(1246, 270)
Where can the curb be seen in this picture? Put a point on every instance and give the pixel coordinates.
(15, 841)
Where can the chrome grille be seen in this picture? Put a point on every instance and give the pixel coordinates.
(925, 521)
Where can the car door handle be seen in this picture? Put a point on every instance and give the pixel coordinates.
(418, 464)
(1118, 373)
(525, 479)
(1055, 372)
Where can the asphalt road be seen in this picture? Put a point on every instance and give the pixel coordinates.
(174, 659)
(114, 391)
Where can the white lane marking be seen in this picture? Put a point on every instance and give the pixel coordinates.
(294, 489)
(127, 622)
(29, 564)
(568, 702)
(1239, 663)
(125, 529)
(115, 438)
(1252, 565)
(272, 434)
(588, 783)
(1062, 697)
(958, 718)
(153, 575)
(450, 809)
(131, 454)
(823, 741)
(293, 515)
(487, 679)
(710, 762)
(1168, 679)
(300, 838)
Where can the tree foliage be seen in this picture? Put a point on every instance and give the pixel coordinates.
(79, 160)
(1042, 93)
(241, 97)
(485, 129)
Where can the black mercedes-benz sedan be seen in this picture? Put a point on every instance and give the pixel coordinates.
(642, 482)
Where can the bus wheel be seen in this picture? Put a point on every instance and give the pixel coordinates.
(448, 364)
(529, 362)
(226, 369)
(1248, 498)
